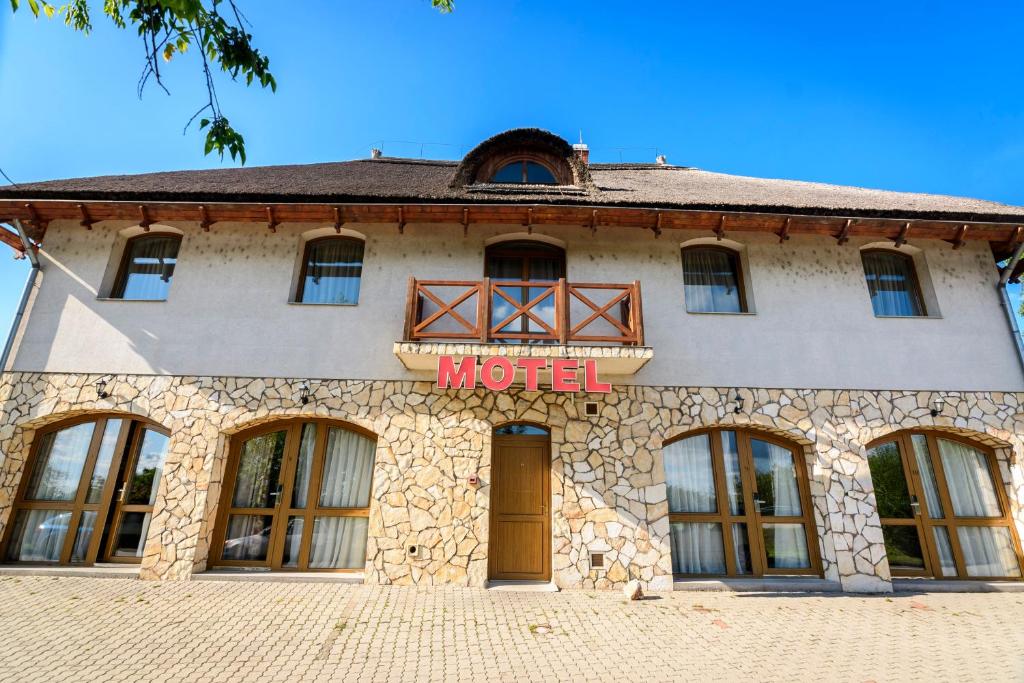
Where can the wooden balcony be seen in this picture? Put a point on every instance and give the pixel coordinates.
(519, 312)
(548, 319)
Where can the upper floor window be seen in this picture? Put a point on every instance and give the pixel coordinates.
(524, 171)
(893, 284)
(147, 267)
(331, 270)
(712, 280)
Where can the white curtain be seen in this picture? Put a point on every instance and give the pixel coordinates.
(338, 542)
(39, 535)
(258, 471)
(697, 548)
(348, 470)
(58, 467)
(733, 480)
(970, 483)
(292, 541)
(710, 281)
(690, 476)
(150, 267)
(786, 546)
(247, 537)
(83, 536)
(892, 284)
(776, 479)
(946, 561)
(333, 270)
(928, 481)
(988, 551)
(300, 493)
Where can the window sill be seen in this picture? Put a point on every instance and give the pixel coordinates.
(722, 312)
(316, 303)
(908, 317)
(133, 301)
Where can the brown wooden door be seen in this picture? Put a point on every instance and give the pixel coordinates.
(520, 538)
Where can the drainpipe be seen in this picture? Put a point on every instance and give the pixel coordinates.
(1007, 305)
(30, 282)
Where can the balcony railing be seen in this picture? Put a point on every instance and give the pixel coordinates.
(524, 312)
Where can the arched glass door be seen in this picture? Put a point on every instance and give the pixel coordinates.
(739, 504)
(87, 493)
(297, 496)
(522, 274)
(943, 512)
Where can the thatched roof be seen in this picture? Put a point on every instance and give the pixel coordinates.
(390, 180)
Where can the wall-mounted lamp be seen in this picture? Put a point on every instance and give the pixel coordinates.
(304, 393)
(101, 388)
(938, 403)
(737, 402)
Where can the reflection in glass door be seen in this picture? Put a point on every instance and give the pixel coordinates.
(299, 498)
(942, 512)
(64, 507)
(133, 503)
(738, 505)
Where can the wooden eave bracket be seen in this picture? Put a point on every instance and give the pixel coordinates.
(272, 222)
(720, 230)
(1015, 238)
(87, 221)
(844, 234)
(35, 219)
(204, 219)
(401, 221)
(901, 238)
(784, 232)
(593, 222)
(657, 226)
(465, 222)
(959, 240)
(528, 224)
(338, 220)
(144, 221)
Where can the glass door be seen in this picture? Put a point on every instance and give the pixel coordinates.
(739, 504)
(67, 498)
(133, 503)
(299, 499)
(517, 265)
(943, 513)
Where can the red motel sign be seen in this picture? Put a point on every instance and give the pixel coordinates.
(497, 374)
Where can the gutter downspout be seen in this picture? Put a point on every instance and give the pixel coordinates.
(30, 282)
(1004, 295)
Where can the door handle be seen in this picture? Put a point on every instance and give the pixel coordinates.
(915, 505)
(277, 494)
(120, 494)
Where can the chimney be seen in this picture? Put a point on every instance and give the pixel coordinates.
(375, 153)
(661, 160)
(581, 151)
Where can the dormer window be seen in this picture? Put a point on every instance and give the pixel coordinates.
(524, 171)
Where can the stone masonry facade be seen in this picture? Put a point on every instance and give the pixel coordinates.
(608, 482)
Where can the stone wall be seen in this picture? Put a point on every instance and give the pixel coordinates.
(608, 484)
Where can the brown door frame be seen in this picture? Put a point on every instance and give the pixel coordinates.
(130, 424)
(283, 509)
(545, 441)
(922, 519)
(751, 515)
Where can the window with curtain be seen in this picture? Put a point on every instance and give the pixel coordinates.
(147, 268)
(892, 284)
(711, 281)
(331, 271)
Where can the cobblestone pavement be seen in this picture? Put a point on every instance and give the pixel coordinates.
(80, 629)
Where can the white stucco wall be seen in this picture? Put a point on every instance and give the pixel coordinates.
(228, 310)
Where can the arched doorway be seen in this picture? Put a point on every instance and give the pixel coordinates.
(522, 299)
(296, 496)
(88, 491)
(520, 534)
(943, 508)
(739, 504)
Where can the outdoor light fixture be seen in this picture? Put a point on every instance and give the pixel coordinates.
(101, 388)
(304, 393)
(738, 401)
(938, 403)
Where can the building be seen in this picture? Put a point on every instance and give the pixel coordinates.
(516, 366)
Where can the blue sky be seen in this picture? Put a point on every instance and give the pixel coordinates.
(921, 96)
